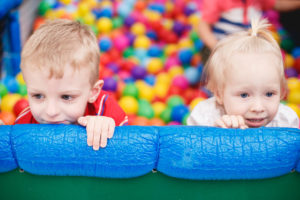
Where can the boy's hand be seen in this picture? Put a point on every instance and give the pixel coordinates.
(231, 121)
(1, 122)
(98, 129)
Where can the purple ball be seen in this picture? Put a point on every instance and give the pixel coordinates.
(129, 21)
(130, 38)
(110, 84)
(113, 67)
(291, 72)
(178, 28)
(138, 72)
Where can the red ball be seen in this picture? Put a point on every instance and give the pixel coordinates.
(297, 65)
(174, 90)
(105, 59)
(20, 106)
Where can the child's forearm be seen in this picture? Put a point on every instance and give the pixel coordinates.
(207, 35)
(287, 5)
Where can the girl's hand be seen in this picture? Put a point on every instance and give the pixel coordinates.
(98, 129)
(231, 121)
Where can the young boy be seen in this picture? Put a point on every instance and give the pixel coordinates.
(60, 65)
(246, 75)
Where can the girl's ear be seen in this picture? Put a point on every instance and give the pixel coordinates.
(219, 97)
(95, 91)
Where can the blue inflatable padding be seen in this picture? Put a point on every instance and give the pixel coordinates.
(189, 152)
(216, 153)
(63, 150)
(7, 161)
(7, 5)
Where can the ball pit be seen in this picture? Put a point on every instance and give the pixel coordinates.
(155, 42)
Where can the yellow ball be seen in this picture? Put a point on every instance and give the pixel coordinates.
(83, 9)
(194, 20)
(105, 3)
(154, 66)
(66, 2)
(152, 15)
(170, 49)
(138, 29)
(8, 102)
(158, 107)
(163, 78)
(89, 19)
(293, 83)
(142, 42)
(185, 43)
(276, 36)
(168, 24)
(194, 102)
(169, 6)
(294, 97)
(295, 107)
(104, 25)
(175, 71)
(50, 14)
(129, 104)
(147, 93)
(288, 61)
(140, 84)
(161, 90)
(20, 79)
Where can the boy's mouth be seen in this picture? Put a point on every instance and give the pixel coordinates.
(255, 122)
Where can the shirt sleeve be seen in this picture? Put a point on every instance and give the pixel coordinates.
(210, 11)
(113, 110)
(25, 117)
(267, 4)
(285, 117)
(204, 114)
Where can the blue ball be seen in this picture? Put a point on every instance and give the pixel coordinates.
(155, 51)
(193, 75)
(106, 12)
(124, 10)
(296, 52)
(185, 56)
(198, 45)
(151, 34)
(140, 54)
(150, 79)
(178, 112)
(105, 44)
(11, 84)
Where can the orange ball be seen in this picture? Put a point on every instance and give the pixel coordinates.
(156, 122)
(140, 121)
(140, 5)
(7, 117)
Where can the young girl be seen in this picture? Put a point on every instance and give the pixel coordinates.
(246, 75)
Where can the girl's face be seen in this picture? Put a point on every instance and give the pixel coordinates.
(252, 88)
(59, 101)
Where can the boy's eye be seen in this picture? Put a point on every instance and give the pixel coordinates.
(269, 94)
(38, 96)
(66, 97)
(244, 95)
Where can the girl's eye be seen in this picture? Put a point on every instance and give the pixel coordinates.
(66, 97)
(244, 95)
(269, 94)
(38, 96)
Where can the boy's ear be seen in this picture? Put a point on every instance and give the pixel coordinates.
(95, 91)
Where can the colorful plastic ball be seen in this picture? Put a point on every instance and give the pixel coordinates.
(123, 9)
(184, 119)
(150, 79)
(185, 43)
(198, 45)
(297, 65)
(140, 54)
(181, 82)
(291, 72)
(129, 104)
(178, 28)
(195, 102)
(155, 65)
(11, 84)
(3, 90)
(104, 25)
(105, 44)
(128, 52)
(170, 49)
(106, 12)
(151, 34)
(142, 41)
(174, 100)
(288, 60)
(140, 121)
(158, 107)
(154, 51)
(8, 102)
(44, 6)
(192, 75)
(138, 29)
(8, 118)
(145, 109)
(174, 123)
(117, 22)
(293, 84)
(185, 56)
(147, 93)
(20, 106)
(131, 90)
(22, 90)
(163, 78)
(89, 18)
(296, 52)
(178, 112)
(121, 42)
(110, 84)
(175, 90)
(166, 115)
(20, 79)
(161, 90)
(138, 72)
(294, 97)
(175, 71)
(83, 9)
(156, 122)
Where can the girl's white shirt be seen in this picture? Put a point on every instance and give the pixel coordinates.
(208, 111)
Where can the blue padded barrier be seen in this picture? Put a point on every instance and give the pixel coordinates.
(217, 153)
(7, 161)
(199, 153)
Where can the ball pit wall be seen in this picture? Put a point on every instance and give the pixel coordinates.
(187, 152)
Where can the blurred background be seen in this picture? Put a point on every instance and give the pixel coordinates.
(151, 53)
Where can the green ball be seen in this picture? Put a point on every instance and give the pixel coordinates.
(43, 8)
(131, 90)
(94, 29)
(194, 36)
(174, 100)
(22, 90)
(145, 109)
(287, 45)
(165, 115)
(3, 90)
(184, 119)
(128, 52)
(117, 22)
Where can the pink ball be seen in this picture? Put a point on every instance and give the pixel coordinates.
(121, 42)
(124, 74)
(181, 82)
(171, 61)
(173, 123)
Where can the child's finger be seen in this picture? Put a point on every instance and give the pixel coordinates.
(220, 123)
(242, 122)
(104, 134)
(97, 132)
(227, 120)
(90, 132)
(111, 129)
(82, 121)
(234, 121)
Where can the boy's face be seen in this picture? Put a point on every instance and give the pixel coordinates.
(252, 88)
(59, 101)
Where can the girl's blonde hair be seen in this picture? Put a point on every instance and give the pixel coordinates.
(60, 43)
(256, 40)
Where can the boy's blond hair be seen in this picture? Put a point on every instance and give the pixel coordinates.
(256, 40)
(60, 43)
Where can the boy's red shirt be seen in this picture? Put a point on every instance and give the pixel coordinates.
(105, 105)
